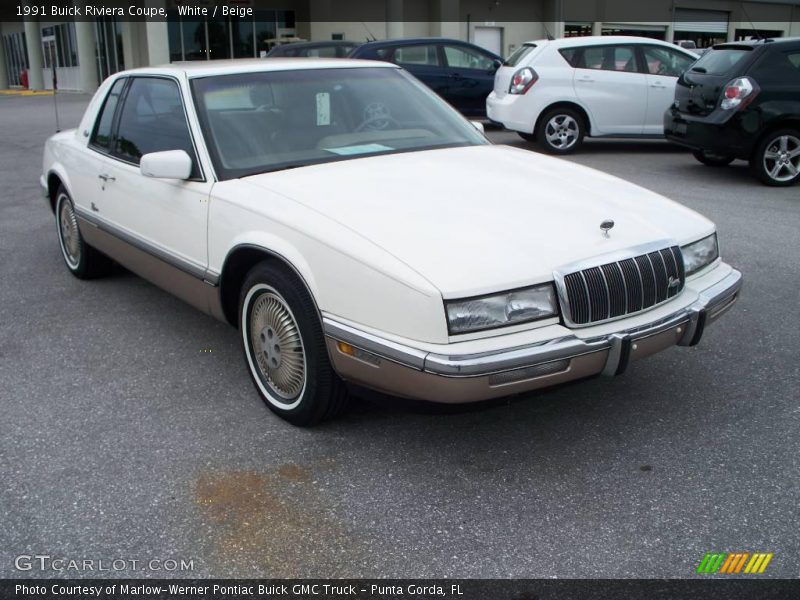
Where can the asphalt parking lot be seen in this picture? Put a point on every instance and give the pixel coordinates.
(130, 428)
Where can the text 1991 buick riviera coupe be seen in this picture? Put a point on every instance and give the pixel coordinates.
(355, 227)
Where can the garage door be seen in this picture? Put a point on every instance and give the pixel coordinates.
(705, 21)
(490, 38)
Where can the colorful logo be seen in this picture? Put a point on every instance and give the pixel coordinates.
(734, 562)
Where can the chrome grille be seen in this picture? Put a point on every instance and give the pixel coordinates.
(623, 287)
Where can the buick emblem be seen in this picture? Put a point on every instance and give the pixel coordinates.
(673, 282)
(606, 226)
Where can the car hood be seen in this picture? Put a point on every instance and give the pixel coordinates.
(479, 219)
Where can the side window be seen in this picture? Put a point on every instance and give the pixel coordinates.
(777, 68)
(663, 61)
(467, 58)
(152, 120)
(416, 55)
(608, 58)
(101, 137)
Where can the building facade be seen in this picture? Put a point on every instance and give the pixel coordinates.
(78, 54)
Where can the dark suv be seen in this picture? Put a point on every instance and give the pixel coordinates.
(742, 100)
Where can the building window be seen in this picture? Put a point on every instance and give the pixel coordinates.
(108, 47)
(755, 34)
(577, 29)
(16, 56)
(225, 38)
(654, 33)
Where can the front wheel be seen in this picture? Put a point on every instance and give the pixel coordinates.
(776, 160)
(712, 160)
(284, 347)
(83, 261)
(561, 131)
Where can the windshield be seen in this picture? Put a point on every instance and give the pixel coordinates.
(267, 121)
(719, 61)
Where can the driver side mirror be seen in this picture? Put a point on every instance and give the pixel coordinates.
(496, 64)
(170, 164)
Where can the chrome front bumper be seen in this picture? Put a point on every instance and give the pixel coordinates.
(556, 359)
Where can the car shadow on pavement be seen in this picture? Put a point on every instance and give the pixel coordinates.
(611, 146)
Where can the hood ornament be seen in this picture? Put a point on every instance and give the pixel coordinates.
(606, 226)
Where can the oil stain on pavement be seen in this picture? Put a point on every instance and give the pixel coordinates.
(274, 523)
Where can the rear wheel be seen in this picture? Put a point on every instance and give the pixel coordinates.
(561, 131)
(81, 259)
(712, 160)
(285, 349)
(776, 160)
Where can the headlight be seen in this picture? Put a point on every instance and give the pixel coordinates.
(500, 310)
(700, 254)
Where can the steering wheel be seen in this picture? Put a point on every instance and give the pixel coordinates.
(376, 118)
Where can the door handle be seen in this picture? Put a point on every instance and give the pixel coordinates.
(586, 80)
(106, 178)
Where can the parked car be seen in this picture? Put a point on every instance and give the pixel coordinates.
(460, 72)
(742, 100)
(327, 49)
(336, 213)
(555, 92)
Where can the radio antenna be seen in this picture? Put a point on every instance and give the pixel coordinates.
(753, 25)
(369, 32)
(55, 93)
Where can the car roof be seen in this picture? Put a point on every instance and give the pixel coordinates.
(320, 44)
(759, 43)
(591, 40)
(207, 68)
(406, 41)
(420, 40)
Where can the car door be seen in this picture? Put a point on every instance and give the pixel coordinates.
(471, 77)
(87, 186)
(663, 66)
(164, 217)
(425, 62)
(609, 85)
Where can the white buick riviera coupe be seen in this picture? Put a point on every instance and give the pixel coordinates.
(357, 229)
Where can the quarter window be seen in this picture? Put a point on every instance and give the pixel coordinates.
(152, 120)
(101, 138)
(664, 61)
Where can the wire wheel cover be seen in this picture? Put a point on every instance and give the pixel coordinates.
(70, 237)
(277, 346)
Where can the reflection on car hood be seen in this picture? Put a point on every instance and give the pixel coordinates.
(484, 218)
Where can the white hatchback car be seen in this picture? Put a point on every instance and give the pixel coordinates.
(557, 91)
